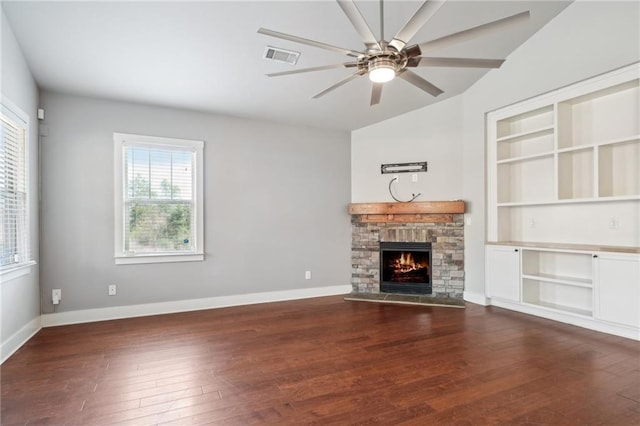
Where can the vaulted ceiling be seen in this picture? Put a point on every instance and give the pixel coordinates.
(208, 56)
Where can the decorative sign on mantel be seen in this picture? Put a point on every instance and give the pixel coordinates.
(417, 212)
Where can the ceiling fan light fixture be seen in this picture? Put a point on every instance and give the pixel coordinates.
(382, 70)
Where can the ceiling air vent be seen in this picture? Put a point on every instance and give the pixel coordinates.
(281, 55)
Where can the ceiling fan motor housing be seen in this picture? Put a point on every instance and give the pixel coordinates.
(382, 62)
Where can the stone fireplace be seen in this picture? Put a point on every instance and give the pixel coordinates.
(437, 225)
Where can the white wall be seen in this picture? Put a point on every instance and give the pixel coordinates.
(19, 298)
(431, 134)
(586, 39)
(275, 205)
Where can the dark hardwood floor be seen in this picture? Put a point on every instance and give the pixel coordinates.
(324, 361)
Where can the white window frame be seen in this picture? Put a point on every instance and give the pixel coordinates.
(21, 119)
(121, 142)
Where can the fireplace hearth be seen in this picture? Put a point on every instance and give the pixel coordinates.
(405, 268)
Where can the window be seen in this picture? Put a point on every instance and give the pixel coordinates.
(159, 204)
(15, 251)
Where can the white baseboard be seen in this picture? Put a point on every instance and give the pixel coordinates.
(477, 298)
(130, 311)
(568, 318)
(19, 338)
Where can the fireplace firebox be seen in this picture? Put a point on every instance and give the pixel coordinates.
(405, 268)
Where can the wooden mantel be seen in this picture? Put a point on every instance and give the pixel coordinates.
(414, 212)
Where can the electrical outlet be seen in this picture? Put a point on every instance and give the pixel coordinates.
(613, 223)
(414, 177)
(112, 290)
(307, 275)
(56, 296)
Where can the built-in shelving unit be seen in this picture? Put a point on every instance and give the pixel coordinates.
(579, 144)
(564, 168)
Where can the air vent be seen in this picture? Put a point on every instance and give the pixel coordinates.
(281, 55)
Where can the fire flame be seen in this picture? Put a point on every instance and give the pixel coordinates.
(406, 263)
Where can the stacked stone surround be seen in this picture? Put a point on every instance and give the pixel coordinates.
(447, 252)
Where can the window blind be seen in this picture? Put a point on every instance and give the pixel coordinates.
(158, 204)
(14, 219)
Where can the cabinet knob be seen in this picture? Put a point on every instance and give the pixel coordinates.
(516, 250)
(595, 256)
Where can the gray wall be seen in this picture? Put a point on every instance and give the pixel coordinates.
(275, 205)
(19, 298)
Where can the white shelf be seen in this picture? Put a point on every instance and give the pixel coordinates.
(615, 141)
(562, 308)
(558, 279)
(571, 201)
(635, 138)
(526, 158)
(529, 134)
(572, 248)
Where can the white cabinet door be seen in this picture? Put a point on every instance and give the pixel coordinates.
(618, 288)
(502, 272)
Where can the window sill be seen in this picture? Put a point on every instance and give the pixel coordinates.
(159, 258)
(11, 272)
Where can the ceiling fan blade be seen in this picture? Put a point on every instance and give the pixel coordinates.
(340, 83)
(417, 21)
(321, 68)
(474, 32)
(308, 42)
(357, 20)
(455, 62)
(376, 93)
(419, 82)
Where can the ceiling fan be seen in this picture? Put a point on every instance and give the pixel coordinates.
(383, 61)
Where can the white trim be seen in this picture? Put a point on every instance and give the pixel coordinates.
(19, 338)
(165, 258)
(11, 272)
(15, 113)
(122, 140)
(130, 311)
(585, 322)
(154, 141)
(477, 298)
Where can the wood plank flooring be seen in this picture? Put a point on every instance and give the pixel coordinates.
(324, 361)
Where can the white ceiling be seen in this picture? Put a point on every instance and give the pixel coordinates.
(207, 56)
